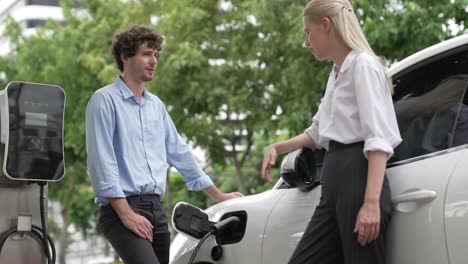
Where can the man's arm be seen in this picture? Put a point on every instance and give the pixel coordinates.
(179, 154)
(102, 162)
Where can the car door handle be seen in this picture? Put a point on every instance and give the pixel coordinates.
(419, 196)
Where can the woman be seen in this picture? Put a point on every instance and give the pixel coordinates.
(356, 124)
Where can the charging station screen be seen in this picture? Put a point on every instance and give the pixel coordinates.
(36, 119)
(35, 144)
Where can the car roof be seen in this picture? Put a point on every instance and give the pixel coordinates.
(428, 52)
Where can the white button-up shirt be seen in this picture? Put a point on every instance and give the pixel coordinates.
(357, 106)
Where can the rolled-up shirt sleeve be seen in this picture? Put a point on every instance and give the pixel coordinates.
(102, 163)
(313, 130)
(179, 154)
(376, 112)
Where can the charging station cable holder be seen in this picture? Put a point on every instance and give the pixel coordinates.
(24, 224)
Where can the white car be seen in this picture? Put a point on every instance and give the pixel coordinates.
(428, 175)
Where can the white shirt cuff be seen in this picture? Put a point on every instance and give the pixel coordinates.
(379, 144)
(313, 133)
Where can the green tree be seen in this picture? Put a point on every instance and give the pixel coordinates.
(233, 74)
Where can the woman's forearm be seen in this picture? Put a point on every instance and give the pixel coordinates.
(297, 142)
(375, 175)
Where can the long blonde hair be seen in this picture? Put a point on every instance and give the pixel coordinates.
(342, 15)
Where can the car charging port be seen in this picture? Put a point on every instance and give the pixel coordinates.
(194, 222)
(234, 232)
(216, 229)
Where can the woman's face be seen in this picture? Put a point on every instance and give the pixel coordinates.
(317, 39)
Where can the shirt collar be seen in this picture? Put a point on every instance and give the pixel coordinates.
(347, 61)
(126, 92)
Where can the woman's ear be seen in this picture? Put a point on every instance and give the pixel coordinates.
(326, 24)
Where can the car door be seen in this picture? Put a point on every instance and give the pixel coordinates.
(289, 217)
(456, 201)
(456, 212)
(287, 223)
(428, 98)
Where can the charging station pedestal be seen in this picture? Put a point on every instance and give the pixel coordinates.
(20, 203)
(32, 154)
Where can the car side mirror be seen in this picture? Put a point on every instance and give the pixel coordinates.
(301, 168)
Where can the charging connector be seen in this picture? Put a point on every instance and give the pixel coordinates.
(215, 229)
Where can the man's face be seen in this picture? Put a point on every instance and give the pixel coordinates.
(141, 66)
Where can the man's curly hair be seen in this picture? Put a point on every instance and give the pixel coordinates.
(128, 42)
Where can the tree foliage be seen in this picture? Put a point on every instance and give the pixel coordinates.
(232, 73)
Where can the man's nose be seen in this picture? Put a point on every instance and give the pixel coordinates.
(306, 43)
(153, 60)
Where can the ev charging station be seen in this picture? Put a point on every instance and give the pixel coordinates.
(32, 154)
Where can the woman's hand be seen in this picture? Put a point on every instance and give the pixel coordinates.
(269, 159)
(270, 153)
(368, 218)
(368, 223)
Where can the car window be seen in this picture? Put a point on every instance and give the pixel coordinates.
(431, 105)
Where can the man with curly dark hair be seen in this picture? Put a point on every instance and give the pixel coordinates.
(130, 139)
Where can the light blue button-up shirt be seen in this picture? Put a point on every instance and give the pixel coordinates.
(129, 145)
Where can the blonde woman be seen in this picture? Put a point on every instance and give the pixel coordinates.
(356, 124)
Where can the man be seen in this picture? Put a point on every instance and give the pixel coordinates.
(130, 138)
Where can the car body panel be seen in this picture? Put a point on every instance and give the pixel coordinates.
(456, 212)
(287, 223)
(416, 231)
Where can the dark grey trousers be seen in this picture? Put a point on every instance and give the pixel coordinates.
(329, 237)
(130, 247)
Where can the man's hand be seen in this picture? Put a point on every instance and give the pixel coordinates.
(227, 196)
(219, 196)
(138, 224)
